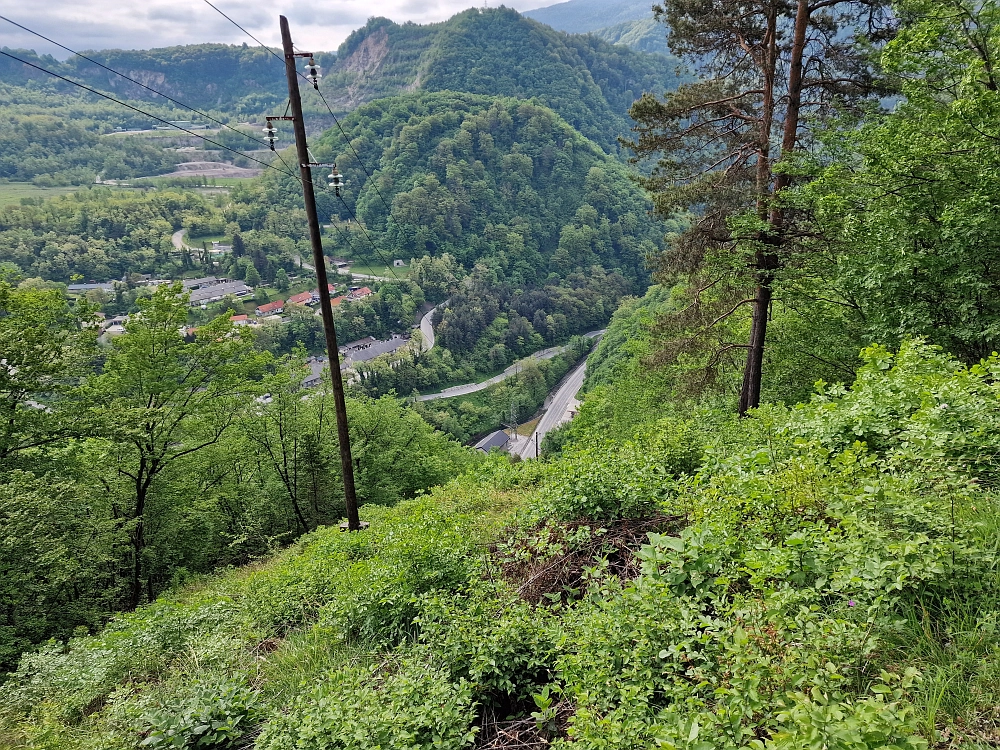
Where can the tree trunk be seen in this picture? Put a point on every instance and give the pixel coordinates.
(767, 262)
(138, 545)
(753, 374)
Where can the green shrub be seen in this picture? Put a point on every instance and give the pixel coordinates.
(503, 647)
(416, 707)
(205, 715)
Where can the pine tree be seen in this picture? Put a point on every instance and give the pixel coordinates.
(766, 70)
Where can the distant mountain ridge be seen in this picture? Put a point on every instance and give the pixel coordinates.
(644, 35)
(236, 79)
(499, 52)
(584, 16)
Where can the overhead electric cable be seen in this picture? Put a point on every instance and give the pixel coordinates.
(345, 236)
(289, 173)
(337, 121)
(370, 179)
(245, 31)
(134, 109)
(137, 83)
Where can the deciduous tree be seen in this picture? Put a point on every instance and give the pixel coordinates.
(160, 399)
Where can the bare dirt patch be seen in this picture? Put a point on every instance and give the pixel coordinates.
(212, 169)
(551, 562)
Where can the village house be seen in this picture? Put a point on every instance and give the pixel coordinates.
(271, 308)
(359, 294)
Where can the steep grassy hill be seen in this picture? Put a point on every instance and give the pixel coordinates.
(498, 52)
(582, 16)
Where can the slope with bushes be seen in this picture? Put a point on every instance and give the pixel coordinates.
(817, 576)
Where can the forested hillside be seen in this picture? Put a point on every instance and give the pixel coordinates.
(583, 16)
(220, 77)
(644, 35)
(772, 523)
(498, 52)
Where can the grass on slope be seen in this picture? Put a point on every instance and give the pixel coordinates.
(816, 577)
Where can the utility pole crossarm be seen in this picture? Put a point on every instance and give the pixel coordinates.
(326, 308)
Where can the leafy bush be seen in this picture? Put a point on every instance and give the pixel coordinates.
(414, 708)
(918, 406)
(506, 654)
(603, 481)
(205, 715)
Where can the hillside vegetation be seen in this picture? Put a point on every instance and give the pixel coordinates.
(236, 79)
(583, 16)
(498, 52)
(644, 35)
(816, 576)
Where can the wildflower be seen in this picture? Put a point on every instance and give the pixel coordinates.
(851, 602)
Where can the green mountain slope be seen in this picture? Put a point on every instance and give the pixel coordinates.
(498, 52)
(644, 35)
(582, 16)
(223, 77)
(462, 172)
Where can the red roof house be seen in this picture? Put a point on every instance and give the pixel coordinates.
(271, 308)
(360, 294)
(301, 299)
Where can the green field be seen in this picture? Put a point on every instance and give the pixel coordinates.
(196, 240)
(375, 269)
(12, 192)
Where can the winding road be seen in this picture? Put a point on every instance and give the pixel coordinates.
(178, 239)
(427, 326)
(465, 390)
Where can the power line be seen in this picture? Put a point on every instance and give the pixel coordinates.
(370, 179)
(138, 83)
(289, 173)
(340, 127)
(244, 31)
(134, 109)
(345, 236)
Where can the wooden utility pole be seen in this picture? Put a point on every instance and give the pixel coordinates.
(299, 126)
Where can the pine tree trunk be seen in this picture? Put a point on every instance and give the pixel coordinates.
(766, 262)
(753, 374)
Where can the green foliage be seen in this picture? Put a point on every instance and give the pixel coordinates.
(476, 176)
(95, 234)
(522, 394)
(208, 715)
(771, 609)
(415, 708)
(908, 198)
(499, 53)
(52, 152)
(644, 35)
(583, 16)
(232, 78)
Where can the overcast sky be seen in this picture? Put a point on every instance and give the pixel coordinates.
(141, 24)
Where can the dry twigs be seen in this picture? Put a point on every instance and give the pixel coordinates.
(553, 562)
